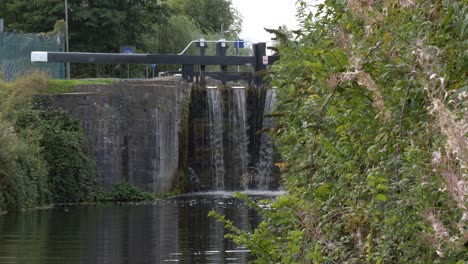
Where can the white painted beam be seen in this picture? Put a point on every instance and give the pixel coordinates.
(39, 56)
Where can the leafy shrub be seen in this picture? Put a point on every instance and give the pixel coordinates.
(9, 181)
(372, 131)
(71, 169)
(125, 192)
(43, 154)
(18, 95)
(23, 173)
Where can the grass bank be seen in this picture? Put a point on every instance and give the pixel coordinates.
(67, 86)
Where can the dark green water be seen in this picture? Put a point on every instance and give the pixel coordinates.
(175, 230)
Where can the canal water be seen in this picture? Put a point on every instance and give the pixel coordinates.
(175, 230)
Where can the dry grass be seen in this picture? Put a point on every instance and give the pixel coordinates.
(364, 79)
(13, 94)
(25, 87)
(455, 129)
(362, 10)
(450, 162)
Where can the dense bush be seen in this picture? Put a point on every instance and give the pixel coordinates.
(125, 192)
(43, 155)
(23, 173)
(372, 128)
(71, 169)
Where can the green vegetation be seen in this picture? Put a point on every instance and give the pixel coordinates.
(44, 157)
(151, 26)
(372, 128)
(71, 169)
(209, 15)
(124, 192)
(66, 86)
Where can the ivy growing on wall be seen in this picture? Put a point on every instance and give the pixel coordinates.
(43, 155)
(71, 168)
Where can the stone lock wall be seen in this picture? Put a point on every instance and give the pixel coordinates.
(137, 130)
(152, 134)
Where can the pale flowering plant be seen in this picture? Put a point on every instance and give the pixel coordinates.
(449, 162)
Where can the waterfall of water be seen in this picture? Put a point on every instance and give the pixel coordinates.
(240, 130)
(194, 180)
(216, 137)
(265, 162)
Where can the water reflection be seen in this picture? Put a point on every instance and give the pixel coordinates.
(173, 230)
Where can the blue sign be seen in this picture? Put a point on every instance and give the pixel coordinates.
(153, 66)
(127, 49)
(239, 44)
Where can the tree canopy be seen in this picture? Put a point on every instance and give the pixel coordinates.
(105, 25)
(31, 16)
(95, 26)
(209, 15)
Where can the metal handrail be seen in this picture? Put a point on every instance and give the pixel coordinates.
(209, 41)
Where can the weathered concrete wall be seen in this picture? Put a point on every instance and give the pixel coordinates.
(137, 130)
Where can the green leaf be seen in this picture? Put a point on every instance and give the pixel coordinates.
(381, 197)
(332, 111)
(382, 187)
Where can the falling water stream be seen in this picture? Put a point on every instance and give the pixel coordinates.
(240, 123)
(229, 163)
(265, 162)
(216, 136)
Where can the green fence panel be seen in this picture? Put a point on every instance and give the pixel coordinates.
(15, 54)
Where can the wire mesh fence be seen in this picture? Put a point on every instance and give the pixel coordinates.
(15, 54)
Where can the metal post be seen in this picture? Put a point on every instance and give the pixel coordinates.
(201, 44)
(66, 38)
(237, 54)
(221, 48)
(1, 35)
(2, 29)
(259, 50)
(202, 67)
(187, 72)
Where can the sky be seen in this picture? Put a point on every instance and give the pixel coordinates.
(258, 14)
